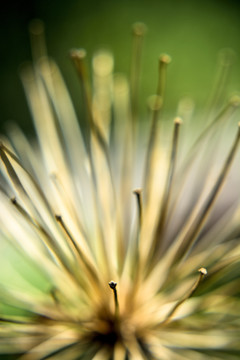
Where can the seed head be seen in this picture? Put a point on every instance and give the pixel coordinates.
(107, 196)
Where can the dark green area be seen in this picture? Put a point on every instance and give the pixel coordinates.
(192, 32)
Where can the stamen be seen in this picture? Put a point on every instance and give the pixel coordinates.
(226, 59)
(191, 237)
(202, 274)
(139, 31)
(138, 193)
(79, 60)
(11, 172)
(113, 286)
(37, 38)
(164, 61)
(54, 295)
(15, 321)
(47, 239)
(156, 107)
(54, 249)
(77, 251)
(102, 64)
(167, 193)
(22, 211)
(226, 113)
(4, 153)
(78, 57)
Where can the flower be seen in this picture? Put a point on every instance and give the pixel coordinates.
(148, 275)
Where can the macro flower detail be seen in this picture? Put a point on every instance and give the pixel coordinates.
(128, 231)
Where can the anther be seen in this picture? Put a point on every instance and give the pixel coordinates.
(78, 54)
(165, 59)
(112, 285)
(14, 200)
(139, 29)
(203, 271)
(58, 218)
(235, 100)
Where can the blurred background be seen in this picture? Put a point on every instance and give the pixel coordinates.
(192, 32)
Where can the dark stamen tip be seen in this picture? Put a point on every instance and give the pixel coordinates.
(112, 284)
(58, 217)
(14, 200)
(137, 191)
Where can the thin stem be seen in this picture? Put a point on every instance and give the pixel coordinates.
(192, 235)
(37, 38)
(226, 59)
(202, 274)
(156, 106)
(139, 31)
(167, 192)
(52, 246)
(77, 250)
(113, 286)
(79, 60)
(138, 193)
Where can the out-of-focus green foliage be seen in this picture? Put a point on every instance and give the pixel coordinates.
(192, 32)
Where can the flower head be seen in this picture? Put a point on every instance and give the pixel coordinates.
(135, 233)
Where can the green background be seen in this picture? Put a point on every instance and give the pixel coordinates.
(192, 32)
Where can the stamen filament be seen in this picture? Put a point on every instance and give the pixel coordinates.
(139, 31)
(167, 192)
(79, 58)
(226, 58)
(156, 243)
(4, 153)
(78, 252)
(164, 60)
(54, 249)
(202, 273)
(192, 235)
(226, 113)
(138, 193)
(37, 38)
(113, 286)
